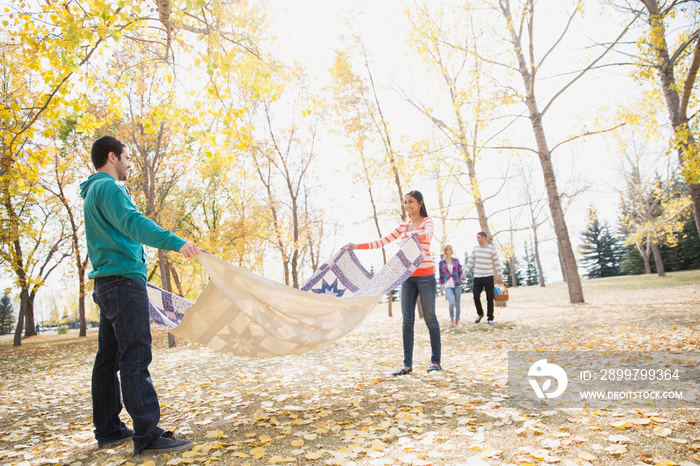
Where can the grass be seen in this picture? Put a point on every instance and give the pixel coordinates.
(594, 289)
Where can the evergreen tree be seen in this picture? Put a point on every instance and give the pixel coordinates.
(685, 254)
(531, 275)
(617, 245)
(468, 283)
(600, 249)
(508, 274)
(7, 315)
(396, 294)
(631, 262)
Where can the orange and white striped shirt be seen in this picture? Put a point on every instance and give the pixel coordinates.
(425, 233)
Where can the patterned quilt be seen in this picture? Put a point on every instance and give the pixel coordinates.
(245, 314)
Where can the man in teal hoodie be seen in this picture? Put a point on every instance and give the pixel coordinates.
(116, 233)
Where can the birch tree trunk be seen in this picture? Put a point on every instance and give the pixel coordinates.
(566, 252)
(568, 259)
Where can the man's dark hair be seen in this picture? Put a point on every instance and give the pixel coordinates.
(481, 233)
(101, 149)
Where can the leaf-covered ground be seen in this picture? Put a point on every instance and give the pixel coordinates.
(340, 405)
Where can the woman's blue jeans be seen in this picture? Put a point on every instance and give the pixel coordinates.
(453, 296)
(410, 290)
(124, 346)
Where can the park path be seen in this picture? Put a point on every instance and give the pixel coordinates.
(340, 405)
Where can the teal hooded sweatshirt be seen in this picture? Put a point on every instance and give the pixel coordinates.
(116, 231)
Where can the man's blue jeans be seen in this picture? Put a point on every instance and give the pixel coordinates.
(124, 345)
(454, 296)
(410, 290)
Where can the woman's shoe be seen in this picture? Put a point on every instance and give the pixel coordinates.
(433, 367)
(402, 371)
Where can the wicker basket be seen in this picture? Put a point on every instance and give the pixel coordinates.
(503, 295)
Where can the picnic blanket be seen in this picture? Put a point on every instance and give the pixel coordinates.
(246, 314)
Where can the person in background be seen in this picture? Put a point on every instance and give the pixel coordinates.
(421, 282)
(116, 233)
(484, 258)
(451, 277)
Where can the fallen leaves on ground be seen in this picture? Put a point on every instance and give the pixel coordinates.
(340, 405)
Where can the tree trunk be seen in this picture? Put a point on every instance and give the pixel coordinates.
(176, 279)
(563, 241)
(513, 259)
(561, 267)
(478, 201)
(513, 275)
(23, 300)
(82, 290)
(375, 216)
(647, 263)
(295, 265)
(566, 252)
(538, 261)
(694, 190)
(658, 260)
(383, 130)
(285, 267)
(645, 257)
(81, 304)
(164, 266)
(469, 158)
(29, 324)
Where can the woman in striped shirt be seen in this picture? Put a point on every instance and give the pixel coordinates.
(421, 283)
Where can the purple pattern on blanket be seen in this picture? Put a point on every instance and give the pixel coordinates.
(345, 255)
(166, 308)
(345, 269)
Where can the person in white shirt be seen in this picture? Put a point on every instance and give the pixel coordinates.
(484, 258)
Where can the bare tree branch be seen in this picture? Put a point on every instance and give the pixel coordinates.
(591, 64)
